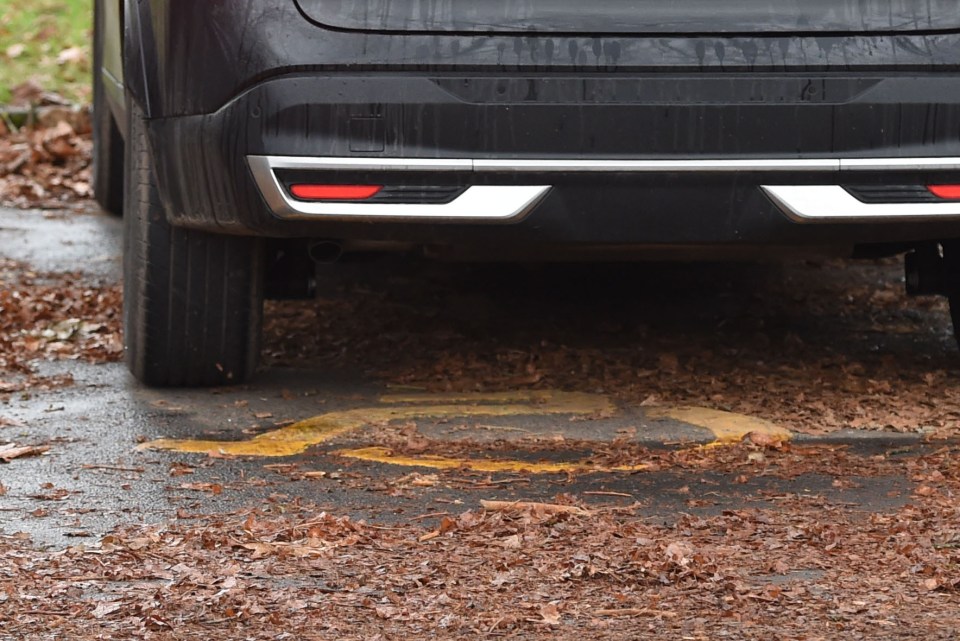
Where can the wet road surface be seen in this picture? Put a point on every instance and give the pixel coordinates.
(425, 389)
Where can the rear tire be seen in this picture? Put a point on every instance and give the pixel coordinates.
(954, 300)
(950, 283)
(107, 167)
(192, 300)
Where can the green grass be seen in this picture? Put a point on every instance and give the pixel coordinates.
(44, 29)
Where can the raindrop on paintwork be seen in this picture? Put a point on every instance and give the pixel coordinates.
(534, 45)
(720, 50)
(784, 47)
(750, 51)
(611, 51)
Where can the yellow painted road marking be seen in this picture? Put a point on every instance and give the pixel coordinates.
(727, 427)
(384, 455)
(294, 439)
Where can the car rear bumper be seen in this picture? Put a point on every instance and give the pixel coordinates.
(565, 160)
(510, 200)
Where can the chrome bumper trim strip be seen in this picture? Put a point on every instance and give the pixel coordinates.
(547, 165)
(320, 163)
(655, 166)
(802, 203)
(900, 164)
(834, 204)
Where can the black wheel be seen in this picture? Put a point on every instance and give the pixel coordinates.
(950, 281)
(192, 301)
(107, 142)
(954, 300)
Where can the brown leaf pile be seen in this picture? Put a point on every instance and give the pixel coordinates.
(53, 316)
(807, 569)
(47, 165)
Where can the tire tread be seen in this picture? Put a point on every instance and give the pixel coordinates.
(192, 299)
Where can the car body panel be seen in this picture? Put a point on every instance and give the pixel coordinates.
(638, 16)
(172, 43)
(109, 27)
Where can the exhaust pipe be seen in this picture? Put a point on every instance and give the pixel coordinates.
(325, 251)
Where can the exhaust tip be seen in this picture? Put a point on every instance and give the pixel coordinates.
(325, 251)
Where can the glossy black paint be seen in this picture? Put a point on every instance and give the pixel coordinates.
(221, 79)
(637, 16)
(186, 57)
(108, 17)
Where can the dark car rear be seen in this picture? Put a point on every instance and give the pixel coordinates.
(522, 131)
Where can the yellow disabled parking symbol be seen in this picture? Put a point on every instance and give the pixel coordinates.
(298, 437)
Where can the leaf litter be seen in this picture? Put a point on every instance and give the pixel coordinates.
(56, 316)
(816, 347)
(46, 163)
(805, 568)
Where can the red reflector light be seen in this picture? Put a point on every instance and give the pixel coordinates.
(949, 192)
(334, 192)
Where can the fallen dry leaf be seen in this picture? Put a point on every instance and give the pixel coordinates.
(532, 506)
(550, 614)
(105, 608)
(10, 451)
(213, 488)
(764, 439)
(71, 55)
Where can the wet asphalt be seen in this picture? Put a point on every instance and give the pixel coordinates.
(97, 474)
